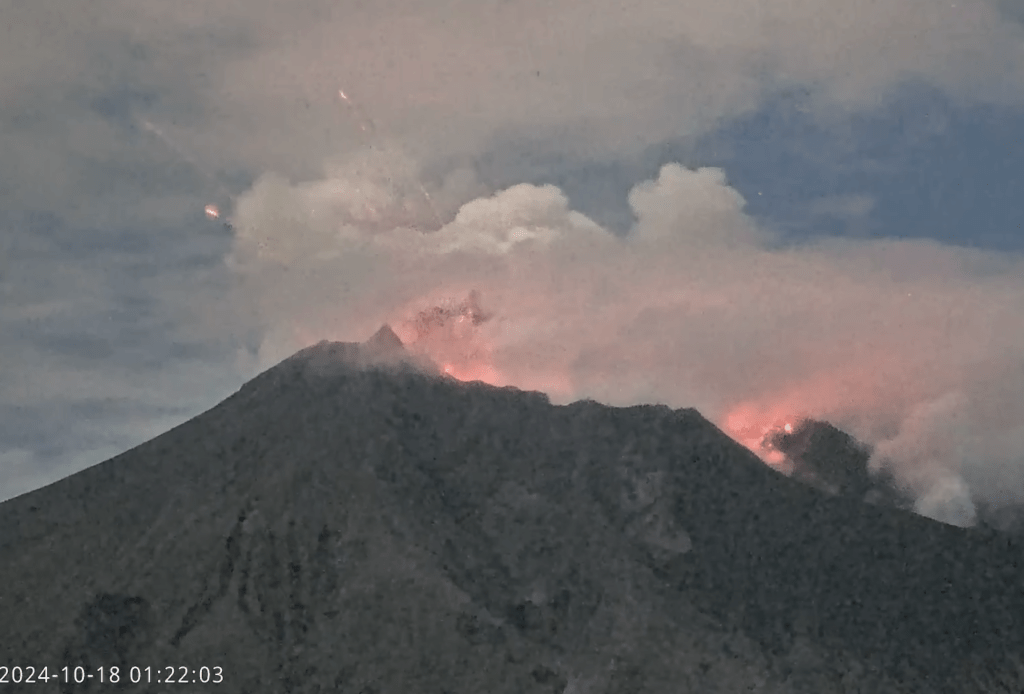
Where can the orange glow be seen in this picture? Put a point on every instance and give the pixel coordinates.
(450, 334)
(212, 212)
(755, 427)
(473, 372)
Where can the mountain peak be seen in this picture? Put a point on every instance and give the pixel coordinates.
(384, 341)
(379, 529)
(383, 349)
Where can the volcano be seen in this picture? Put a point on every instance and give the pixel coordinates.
(352, 521)
(832, 461)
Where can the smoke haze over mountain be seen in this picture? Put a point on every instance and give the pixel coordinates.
(382, 160)
(915, 348)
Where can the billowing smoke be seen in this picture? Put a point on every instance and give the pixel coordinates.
(914, 348)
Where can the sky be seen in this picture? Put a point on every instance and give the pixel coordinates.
(765, 211)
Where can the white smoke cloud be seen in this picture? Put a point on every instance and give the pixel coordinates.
(697, 306)
(253, 83)
(607, 78)
(914, 347)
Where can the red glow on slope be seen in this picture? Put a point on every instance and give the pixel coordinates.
(449, 334)
(458, 336)
(755, 428)
(473, 372)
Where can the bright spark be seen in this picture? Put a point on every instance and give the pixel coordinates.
(212, 212)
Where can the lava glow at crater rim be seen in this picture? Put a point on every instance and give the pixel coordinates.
(451, 333)
(469, 372)
(756, 430)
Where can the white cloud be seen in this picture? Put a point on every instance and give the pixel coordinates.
(255, 83)
(913, 346)
(696, 307)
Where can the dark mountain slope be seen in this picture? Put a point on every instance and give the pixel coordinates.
(831, 460)
(334, 528)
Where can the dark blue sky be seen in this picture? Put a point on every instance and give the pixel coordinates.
(929, 167)
(934, 170)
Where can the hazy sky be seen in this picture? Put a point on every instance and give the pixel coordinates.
(764, 210)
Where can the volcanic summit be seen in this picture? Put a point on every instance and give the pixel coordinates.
(350, 521)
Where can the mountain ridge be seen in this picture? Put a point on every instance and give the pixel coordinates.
(352, 523)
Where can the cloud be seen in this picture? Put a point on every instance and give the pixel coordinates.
(254, 84)
(57, 418)
(613, 78)
(92, 363)
(24, 470)
(239, 88)
(913, 346)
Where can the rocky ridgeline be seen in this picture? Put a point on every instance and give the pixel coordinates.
(350, 521)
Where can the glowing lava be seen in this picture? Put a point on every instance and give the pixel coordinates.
(448, 333)
(757, 430)
(459, 337)
(473, 372)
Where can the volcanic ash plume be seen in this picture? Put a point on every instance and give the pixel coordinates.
(915, 348)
